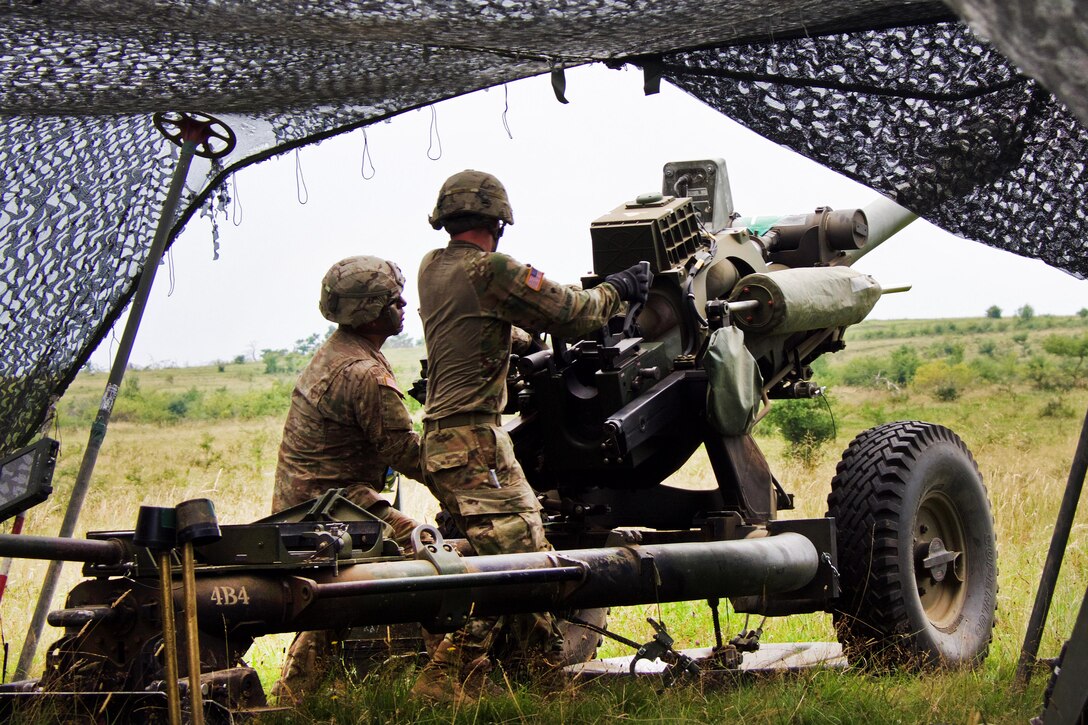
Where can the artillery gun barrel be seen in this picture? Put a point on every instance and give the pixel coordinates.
(886, 219)
(53, 548)
(854, 233)
(412, 590)
(250, 603)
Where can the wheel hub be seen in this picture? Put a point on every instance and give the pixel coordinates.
(940, 559)
(935, 559)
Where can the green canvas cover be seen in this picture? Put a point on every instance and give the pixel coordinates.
(734, 383)
(806, 299)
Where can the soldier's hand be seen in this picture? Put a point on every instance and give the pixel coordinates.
(633, 283)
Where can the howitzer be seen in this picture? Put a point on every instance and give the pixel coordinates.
(604, 417)
(327, 565)
(738, 310)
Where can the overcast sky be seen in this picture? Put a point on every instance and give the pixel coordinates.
(565, 166)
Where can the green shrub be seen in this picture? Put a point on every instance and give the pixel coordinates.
(993, 312)
(178, 407)
(250, 404)
(281, 361)
(865, 372)
(806, 424)
(822, 372)
(904, 364)
(1074, 349)
(1002, 370)
(1044, 374)
(873, 371)
(194, 404)
(944, 381)
(1056, 408)
(948, 349)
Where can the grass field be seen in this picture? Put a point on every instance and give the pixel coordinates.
(213, 432)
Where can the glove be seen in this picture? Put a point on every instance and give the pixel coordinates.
(633, 283)
(401, 524)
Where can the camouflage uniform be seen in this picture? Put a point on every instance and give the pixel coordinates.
(346, 425)
(469, 300)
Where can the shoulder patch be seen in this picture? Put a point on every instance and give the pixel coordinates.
(534, 280)
(382, 377)
(386, 379)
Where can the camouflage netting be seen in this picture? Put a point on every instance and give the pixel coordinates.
(945, 124)
(929, 115)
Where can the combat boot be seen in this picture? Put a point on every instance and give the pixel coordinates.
(538, 651)
(477, 683)
(437, 683)
(306, 665)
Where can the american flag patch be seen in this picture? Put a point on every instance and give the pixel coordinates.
(535, 279)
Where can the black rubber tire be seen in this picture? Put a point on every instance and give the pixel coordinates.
(898, 487)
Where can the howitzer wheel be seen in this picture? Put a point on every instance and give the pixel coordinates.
(917, 554)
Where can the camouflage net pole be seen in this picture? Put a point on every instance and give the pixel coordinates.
(1063, 525)
(194, 133)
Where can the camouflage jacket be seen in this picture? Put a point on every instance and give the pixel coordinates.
(347, 423)
(469, 299)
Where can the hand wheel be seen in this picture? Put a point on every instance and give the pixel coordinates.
(212, 137)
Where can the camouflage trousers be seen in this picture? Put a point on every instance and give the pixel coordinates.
(472, 471)
(309, 660)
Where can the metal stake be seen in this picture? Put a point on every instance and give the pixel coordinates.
(169, 638)
(194, 133)
(192, 634)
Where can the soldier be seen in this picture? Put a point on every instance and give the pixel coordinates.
(347, 425)
(470, 297)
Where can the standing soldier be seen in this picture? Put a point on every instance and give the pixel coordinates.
(347, 425)
(470, 297)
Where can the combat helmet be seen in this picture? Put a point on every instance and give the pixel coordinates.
(355, 290)
(471, 192)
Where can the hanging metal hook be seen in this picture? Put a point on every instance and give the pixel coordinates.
(301, 191)
(505, 110)
(367, 157)
(434, 135)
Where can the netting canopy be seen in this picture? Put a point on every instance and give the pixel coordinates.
(896, 94)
